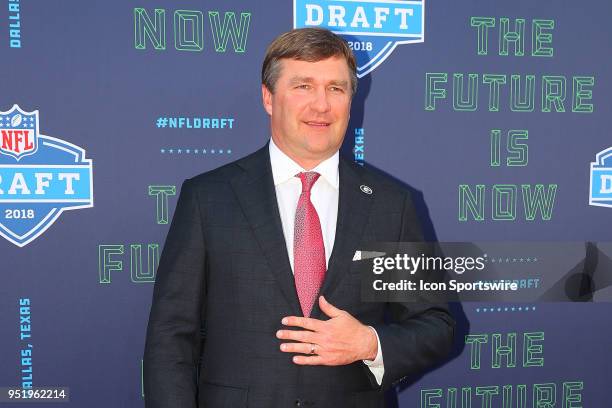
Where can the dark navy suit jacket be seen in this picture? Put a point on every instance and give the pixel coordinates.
(224, 283)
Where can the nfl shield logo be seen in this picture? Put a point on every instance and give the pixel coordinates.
(40, 177)
(372, 28)
(18, 132)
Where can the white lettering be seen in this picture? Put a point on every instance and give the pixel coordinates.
(69, 177)
(381, 15)
(42, 180)
(404, 13)
(606, 184)
(336, 16)
(360, 18)
(415, 264)
(18, 183)
(310, 9)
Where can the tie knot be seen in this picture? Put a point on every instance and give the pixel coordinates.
(308, 178)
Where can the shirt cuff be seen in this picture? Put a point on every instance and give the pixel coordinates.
(376, 366)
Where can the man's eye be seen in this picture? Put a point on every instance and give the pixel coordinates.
(303, 86)
(336, 89)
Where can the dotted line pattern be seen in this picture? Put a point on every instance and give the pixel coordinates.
(173, 151)
(510, 260)
(505, 309)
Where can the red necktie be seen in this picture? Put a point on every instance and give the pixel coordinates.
(308, 249)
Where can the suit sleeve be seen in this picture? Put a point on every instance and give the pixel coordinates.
(417, 335)
(173, 341)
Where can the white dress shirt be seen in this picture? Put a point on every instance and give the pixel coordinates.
(324, 198)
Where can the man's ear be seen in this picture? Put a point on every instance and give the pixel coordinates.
(266, 97)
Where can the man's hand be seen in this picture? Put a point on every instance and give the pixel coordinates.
(340, 340)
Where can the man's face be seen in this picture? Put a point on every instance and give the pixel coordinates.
(309, 109)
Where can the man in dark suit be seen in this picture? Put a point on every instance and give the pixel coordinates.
(256, 302)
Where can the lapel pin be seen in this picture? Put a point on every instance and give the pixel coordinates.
(366, 189)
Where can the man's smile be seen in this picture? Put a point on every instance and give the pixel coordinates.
(317, 124)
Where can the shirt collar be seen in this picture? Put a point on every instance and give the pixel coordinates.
(284, 168)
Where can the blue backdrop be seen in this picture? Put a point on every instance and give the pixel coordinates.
(493, 111)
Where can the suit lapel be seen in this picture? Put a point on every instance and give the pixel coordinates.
(353, 212)
(257, 196)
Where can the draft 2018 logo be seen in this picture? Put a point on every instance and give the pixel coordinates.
(40, 177)
(601, 179)
(372, 28)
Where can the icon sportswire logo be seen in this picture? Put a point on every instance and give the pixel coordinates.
(373, 28)
(40, 177)
(601, 179)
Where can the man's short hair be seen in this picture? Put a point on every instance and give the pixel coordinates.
(306, 44)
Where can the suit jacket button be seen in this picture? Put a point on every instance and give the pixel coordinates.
(299, 403)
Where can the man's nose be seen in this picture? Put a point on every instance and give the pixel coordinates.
(320, 101)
